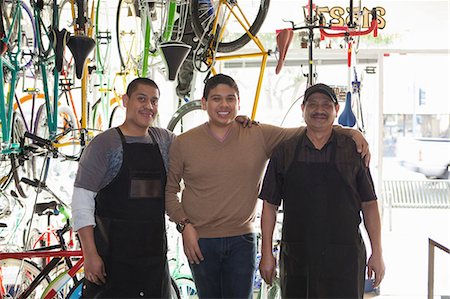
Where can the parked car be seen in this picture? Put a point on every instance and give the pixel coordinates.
(430, 156)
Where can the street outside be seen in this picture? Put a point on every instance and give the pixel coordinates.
(405, 245)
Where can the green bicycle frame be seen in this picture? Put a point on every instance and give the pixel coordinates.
(105, 87)
(166, 35)
(11, 62)
(51, 106)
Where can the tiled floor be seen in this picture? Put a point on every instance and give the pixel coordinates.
(406, 253)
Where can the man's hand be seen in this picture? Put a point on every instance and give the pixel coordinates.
(190, 244)
(375, 265)
(94, 269)
(362, 146)
(245, 121)
(267, 268)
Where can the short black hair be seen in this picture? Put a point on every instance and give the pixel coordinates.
(138, 81)
(219, 79)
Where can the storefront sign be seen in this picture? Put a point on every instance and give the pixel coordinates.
(338, 16)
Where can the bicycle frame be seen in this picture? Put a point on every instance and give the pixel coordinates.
(165, 36)
(263, 53)
(10, 61)
(56, 256)
(347, 118)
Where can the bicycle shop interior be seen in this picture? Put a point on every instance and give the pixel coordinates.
(405, 100)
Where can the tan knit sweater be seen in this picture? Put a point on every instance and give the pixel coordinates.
(221, 179)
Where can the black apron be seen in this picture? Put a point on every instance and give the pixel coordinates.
(322, 252)
(130, 232)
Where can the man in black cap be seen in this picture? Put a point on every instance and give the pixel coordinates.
(323, 185)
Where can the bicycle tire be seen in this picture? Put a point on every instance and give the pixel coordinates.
(27, 29)
(29, 41)
(128, 42)
(44, 28)
(186, 287)
(76, 291)
(98, 123)
(203, 17)
(9, 9)
(20, 273)
(102, 36)
(65, 16)
(174, 292)
(5, 205)
(66, 127)
(63, 285)
(117, 116)
(187, 117)
(21, 167)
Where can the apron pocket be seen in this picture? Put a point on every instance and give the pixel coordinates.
(142, 188)
(145, 185)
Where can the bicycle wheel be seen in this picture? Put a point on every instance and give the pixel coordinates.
(28, 42)
(102, 37)
(63, 285)
(234, 36)
(27, 31)
(44, 12)
(186, 287)
(98, 120)
(5, 205)
(117, 116)
(18, 275)
(65, 16)
(128, 34)
(21, 166)
(75, 291)
(10, 24)
(65, 21)
(174, 293)
(187, 117)
(67, 132)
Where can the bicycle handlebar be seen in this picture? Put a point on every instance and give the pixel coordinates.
(348, 29)
(41, 143)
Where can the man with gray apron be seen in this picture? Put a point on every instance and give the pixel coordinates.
(323, 185)
(125, 253)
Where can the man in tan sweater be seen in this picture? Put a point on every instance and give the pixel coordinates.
(221, 164)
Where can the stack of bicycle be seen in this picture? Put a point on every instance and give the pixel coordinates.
(59, 87)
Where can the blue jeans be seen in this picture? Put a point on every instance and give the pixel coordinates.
(228, 267)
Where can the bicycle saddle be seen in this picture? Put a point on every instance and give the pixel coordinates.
(80, 46)
(284, 39)
(59, 40)
(174, 53)
(347, 118)
(40, 208)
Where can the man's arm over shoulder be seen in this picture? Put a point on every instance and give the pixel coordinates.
(274, 135)
(174, 207)
(362, 146)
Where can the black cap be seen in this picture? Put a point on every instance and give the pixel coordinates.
(323, 89)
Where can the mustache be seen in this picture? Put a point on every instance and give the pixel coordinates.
(319, 114)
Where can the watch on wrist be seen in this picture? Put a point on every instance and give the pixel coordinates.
(181, 225)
